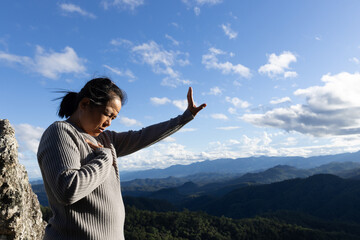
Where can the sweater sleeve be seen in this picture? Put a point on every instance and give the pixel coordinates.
(128, 142)
(60, 162)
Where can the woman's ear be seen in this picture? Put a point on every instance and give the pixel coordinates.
(84, 103)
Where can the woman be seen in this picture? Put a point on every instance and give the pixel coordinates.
(78, 161)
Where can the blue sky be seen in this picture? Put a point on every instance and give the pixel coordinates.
(280, 78)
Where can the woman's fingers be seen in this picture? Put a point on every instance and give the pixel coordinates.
(92, 145)
(191, 106)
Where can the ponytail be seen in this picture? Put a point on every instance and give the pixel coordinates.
(68, 104)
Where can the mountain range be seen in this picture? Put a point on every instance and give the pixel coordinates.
(239, 166)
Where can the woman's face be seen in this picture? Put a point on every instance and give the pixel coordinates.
(94, 120)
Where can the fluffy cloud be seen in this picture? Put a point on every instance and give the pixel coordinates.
(180, 104)
(229, 128)
(49, 64)
(164, 154)
(237, 102)
(127, 73)
(161, 155)
(228, 31)
(330, 110)
(215, 91)
(162, 62)
(219, 116)
(202, 2)
(197, 11)
(129, 122)
(121, 42)
(277, 65)
(159, 101)
(125, 4)
(211, 61)
(280, 100)
(287, 145)
(185, 129)
(28, 137)
(71, 8)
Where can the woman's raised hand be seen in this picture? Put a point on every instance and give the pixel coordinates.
(191, 105)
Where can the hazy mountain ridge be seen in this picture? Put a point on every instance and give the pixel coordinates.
(322, 206)
(240, 165)
(323, 196)
(183, 189)
(274, 174)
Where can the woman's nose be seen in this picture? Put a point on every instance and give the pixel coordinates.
(107, 122)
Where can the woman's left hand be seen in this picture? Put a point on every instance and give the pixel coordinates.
(191, 105)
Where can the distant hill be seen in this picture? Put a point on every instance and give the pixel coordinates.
(221, 184)
(240, 165)
(325, 196)
(324, 202)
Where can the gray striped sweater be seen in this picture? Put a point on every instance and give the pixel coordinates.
(83, 185)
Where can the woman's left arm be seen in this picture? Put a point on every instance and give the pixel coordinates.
(128, 142)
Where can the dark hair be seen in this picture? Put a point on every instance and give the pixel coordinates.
(98, 90)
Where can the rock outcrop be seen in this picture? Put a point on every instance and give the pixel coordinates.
(20, 215)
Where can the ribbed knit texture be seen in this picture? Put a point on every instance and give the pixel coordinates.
(83, 185)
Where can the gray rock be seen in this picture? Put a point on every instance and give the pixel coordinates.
(20, 214)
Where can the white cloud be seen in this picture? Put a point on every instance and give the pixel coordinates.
(228, 31)
(187, 129)
(290, 74)
(162, 62)
(71, 8)
(28, 137)
(237, 102)
(161, 155)
(197, 11)
(229, 128)
(121, 42)
(159, 101)
(49, 64)
(219, 116)
(212, 2)
(202, 2)
(169, 139)
(280, 100)
(125, 4)
(354, 60)
(127, 73)
(216, 91)
(195, 4)
(165, 154)
(180, 104)
(129, 122)
(330, 110)
(211, 61)
(174, 42)
(232, 110)
(277, 65)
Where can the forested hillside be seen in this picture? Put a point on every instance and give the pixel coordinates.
(322, 206)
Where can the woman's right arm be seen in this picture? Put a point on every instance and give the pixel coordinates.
(60, 162)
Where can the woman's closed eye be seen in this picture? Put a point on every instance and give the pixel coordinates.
(109, 115)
